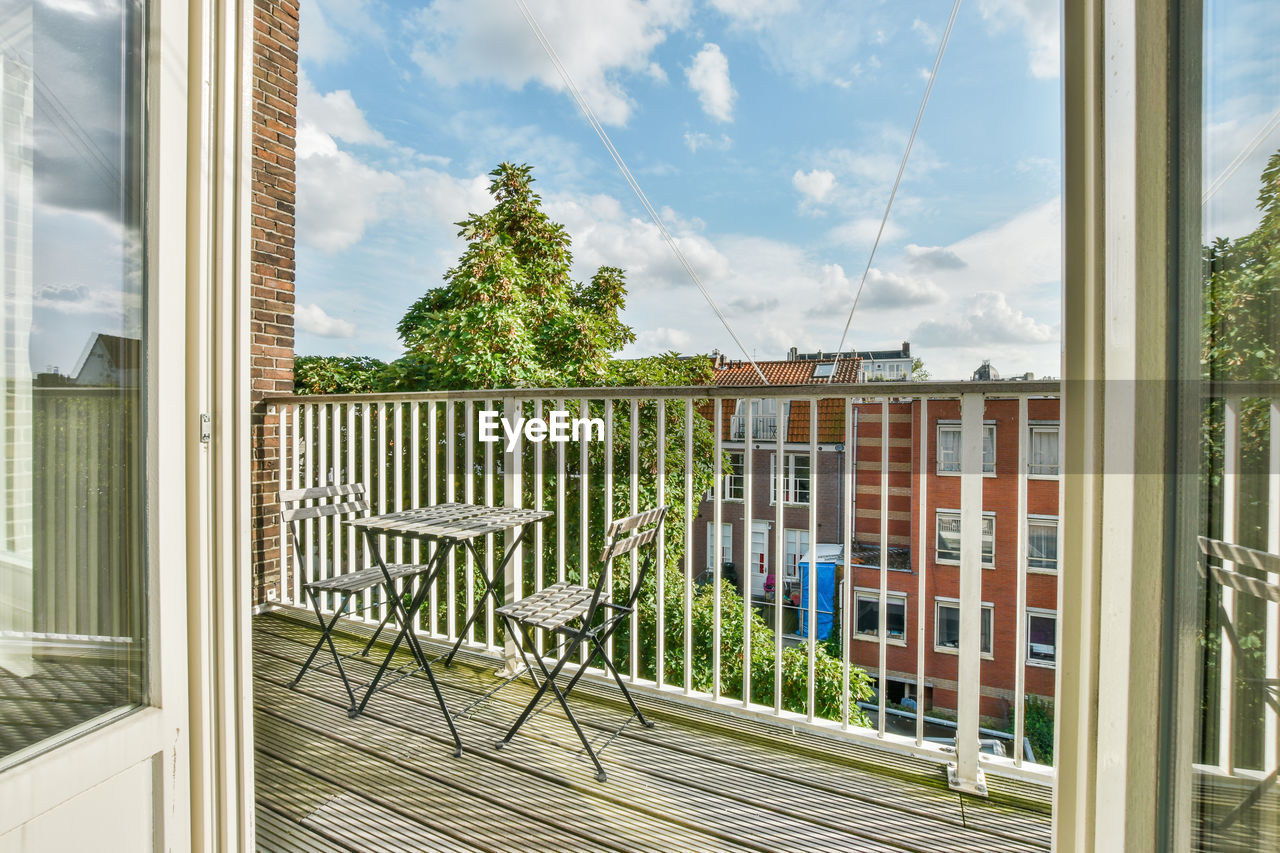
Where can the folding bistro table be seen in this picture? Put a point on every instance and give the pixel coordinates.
(450, 526)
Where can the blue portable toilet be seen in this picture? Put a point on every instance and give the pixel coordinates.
(826, 558)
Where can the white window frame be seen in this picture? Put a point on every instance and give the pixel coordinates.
(1041, 613)
(937, 538)
(952, 468)
(954, 604)
(792, 567)
(726, 543)
(1044, 521)
(873, 595)
(736, 481)
(1043, 428)
(791, 485)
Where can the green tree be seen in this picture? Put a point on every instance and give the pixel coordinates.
(338, 374)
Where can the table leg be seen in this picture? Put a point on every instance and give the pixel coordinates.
(491, 589)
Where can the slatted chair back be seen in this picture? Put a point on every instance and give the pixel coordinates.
(643, 527)
(1261, 561)
(328, 501)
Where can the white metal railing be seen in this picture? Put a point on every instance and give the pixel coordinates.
(763, 427)
(423, 448)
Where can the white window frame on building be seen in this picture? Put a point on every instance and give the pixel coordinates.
(733, 483)
(795, 550)
(726, 544)
(988, 538)
(872, 597)
(1035, 652)
(1043, 470)
(948, 457)
(791, 480)
(764, 420)
(1043, 565)
(988, 629)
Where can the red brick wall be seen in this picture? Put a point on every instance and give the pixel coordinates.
(275, 105)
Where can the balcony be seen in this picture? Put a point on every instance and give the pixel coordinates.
(799, 762)
(763, 427)
(701, 779)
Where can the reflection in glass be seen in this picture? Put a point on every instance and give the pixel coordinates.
(71, 366)
(1234, 793)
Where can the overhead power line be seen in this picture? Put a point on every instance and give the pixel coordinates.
(928, 89)
(630, 179)
(1245, 154)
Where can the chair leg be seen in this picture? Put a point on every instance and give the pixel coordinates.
(548, 680)
(595, 759)
(635, 709)
(327, 638)
(376, 634)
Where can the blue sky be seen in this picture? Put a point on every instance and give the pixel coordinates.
(767, 132)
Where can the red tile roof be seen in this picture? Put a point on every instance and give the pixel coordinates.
(784, 372)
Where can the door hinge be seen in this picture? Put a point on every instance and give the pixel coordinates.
(206, 428)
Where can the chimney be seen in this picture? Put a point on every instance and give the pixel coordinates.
(906, 348)
(792, 353)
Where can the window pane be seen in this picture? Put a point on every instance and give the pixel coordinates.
(71, 295)
(1043, 456)
(948, 628)
(948, 448)
(1041, 639)
(897, 618)
(949, 536)
(1042, 545)
(868, 615)
(988, 449)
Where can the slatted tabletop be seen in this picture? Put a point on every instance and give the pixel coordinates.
(449, 521)
(698, 781)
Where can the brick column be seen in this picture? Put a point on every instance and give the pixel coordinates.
(275, 107)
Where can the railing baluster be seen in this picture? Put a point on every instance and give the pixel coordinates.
(584, 507)
(688, 546)
(747, 575)
(366, 441)
(883, 627)
(1020, 633)
(324, 566)
(335, 460)
(608, 497)
(488, 544)
(433, 474)
(469, 496)
(1227, 668)
(661, 567)
(811, 706)
(295, 473)
(513, 497)
(846, 586)
(717, 553)
(779, 466)
(382, 476)
(1271, 638)
(538, 504)
(415, 488)
(965, 773)
(635, 508)
(363, 602)
(309, 479)
(922, 564)
(451, 496)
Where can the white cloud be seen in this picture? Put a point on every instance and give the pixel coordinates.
(312, 318)
(753, 13)
(933, 257)
(335, 114)
(600, 42)
(697, 140)
(663, 339)
(883, 290)
(1041, 30)
(338, 195)
(988, 319)
(815, 185)
(330, 28)
(927, 33)
(709, 78)
(861, 232)
(82, 299)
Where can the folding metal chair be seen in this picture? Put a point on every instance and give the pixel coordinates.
(587, 616)
(333, 501)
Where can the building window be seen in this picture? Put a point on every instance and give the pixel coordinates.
(946, 625)
(867, 610)
(949, 448)
(797, 547)
(948, 525)
(1042, 458)
(1042, 637)
(764, 420)
(733, 483)
(795, 478)
(1042, 544)
(726, 544)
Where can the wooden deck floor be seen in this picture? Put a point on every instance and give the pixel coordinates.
(698, 781)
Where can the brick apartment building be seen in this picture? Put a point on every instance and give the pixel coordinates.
(826, 498)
